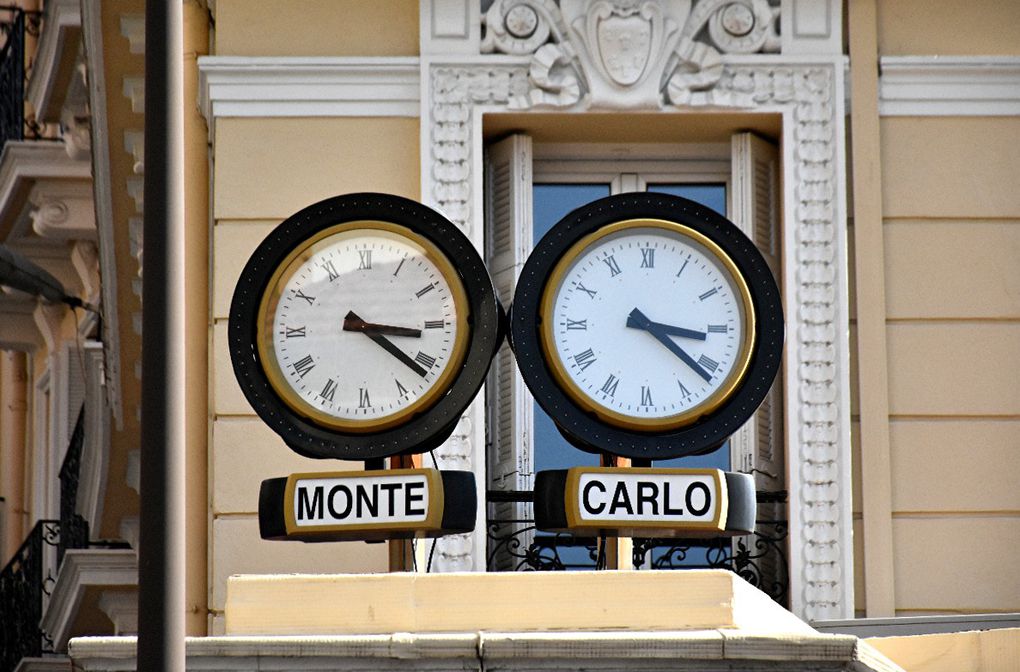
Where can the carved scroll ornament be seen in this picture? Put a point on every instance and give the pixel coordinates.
(634, 54)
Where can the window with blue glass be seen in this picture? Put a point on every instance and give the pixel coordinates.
(551, 202)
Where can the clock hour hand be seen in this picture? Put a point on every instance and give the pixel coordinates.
(636, 323)
(637, 320)
(386, 345)
(354, 323)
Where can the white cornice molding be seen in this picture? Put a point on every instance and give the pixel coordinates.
(57, 663)
(237, 86)
(92, 36)
(18, 329)
(32, 160)
(63, 17)
(80, 570)
(132, 26)
(949, 86)
(121, 607)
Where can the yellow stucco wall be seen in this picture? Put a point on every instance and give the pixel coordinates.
(317, 28)
(948, 27)
(265, 170)
(948, 303)
(270, 168)
(951, 214)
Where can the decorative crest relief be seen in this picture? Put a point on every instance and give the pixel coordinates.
(635, 54)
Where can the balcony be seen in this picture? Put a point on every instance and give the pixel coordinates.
(46, 204)
(42, 585)
(759, 558)
(14, 24)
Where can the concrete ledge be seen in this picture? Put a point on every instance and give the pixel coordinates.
(988, 651)
(523, 601)
(901, 626)
(49, 664)
(676, 651)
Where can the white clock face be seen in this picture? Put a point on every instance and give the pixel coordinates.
(363, 326)
(650, 324)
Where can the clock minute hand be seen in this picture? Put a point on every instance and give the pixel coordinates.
(386, 345)
(637, 320)
(636, 323)
(354, 323)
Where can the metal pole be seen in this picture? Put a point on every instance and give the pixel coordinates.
(161, 544)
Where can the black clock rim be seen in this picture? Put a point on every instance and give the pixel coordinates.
(584, 429)
(423, 431)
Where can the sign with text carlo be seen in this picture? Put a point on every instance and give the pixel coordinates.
(644, 501)
(363, 505)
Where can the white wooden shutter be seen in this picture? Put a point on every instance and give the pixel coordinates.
(510, 419)
(758, 448)
(96, 449)
(69, 379)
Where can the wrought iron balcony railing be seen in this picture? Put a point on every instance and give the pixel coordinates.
(28, 578)
(759, 558)
(74, 529)
(23, 584)
(15, 24)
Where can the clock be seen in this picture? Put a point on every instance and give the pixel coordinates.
(667, 312)
(647, 326)
(362, 327)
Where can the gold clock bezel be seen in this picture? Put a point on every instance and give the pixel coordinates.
(294, 260)
(616, 418)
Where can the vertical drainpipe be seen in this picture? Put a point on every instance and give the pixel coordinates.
(197, 323)
(161, 559)
(13, 382)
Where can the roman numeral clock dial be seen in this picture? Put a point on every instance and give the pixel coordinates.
(362, 326)
(647, 324)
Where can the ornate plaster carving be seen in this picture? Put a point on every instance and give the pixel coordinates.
(48, 317)
(134, 89)
(63, 210)
(132, 26)
(136, 190)
(85, 259)
(633, 54)
(76, 132)
(454, 553)
(134, 143)
(817, 388)
(75, 116)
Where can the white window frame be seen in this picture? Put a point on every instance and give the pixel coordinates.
(42, 457)
(96, 449)
(626, 168)
(58, 395)
(631, 167)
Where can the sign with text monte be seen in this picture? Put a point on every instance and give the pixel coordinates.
(645, 501)
(367, 505)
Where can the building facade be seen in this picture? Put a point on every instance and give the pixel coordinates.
(868, 148)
